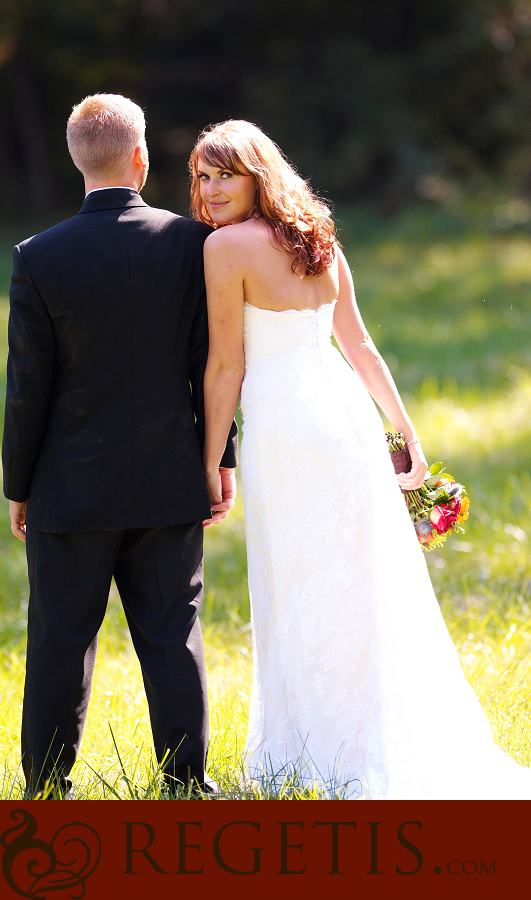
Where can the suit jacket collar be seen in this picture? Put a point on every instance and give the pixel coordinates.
(113, 198)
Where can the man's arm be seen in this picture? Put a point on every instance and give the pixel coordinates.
(30, 369)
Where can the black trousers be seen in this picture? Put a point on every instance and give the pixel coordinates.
(158, 573)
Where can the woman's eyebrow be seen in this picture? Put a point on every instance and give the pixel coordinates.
(219, 169)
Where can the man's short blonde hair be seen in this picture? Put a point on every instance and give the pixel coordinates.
(102, 133)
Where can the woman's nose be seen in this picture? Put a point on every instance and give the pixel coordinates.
(213, 187)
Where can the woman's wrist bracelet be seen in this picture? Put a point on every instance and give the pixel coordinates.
(414, 440)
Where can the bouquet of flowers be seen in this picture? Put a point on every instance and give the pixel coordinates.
(436, 508)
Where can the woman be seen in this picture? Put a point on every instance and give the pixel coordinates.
(357, 685)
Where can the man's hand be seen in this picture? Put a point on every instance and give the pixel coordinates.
(222, 493)
(17, 514)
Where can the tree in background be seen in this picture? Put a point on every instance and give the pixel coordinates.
(374, 99)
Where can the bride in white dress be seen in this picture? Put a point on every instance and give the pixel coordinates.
(357, 685)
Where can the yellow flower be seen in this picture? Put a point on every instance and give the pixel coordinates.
(463, 512)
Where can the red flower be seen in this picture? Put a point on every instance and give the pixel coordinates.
(444, 517)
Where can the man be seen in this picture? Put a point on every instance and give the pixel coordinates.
(102, 451)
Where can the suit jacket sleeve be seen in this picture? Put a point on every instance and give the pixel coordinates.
(197, 363)
(30, 370)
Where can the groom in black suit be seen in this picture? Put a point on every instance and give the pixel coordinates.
(102, 450)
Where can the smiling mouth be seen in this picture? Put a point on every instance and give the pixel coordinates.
(215, 205)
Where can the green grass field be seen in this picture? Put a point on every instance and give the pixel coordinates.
(448, 302)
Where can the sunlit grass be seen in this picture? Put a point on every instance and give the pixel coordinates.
(450, 309)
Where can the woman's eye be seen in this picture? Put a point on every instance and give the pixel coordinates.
(202, 176)
(226, 175)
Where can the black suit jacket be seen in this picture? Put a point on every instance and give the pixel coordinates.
(108, 343)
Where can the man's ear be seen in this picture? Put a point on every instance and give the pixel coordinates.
(140, 156)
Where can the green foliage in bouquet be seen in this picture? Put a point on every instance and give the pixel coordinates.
(439, 506)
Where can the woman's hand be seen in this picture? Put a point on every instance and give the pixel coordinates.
(413, 479)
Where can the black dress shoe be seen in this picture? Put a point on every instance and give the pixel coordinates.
(206, 790)
(53, 795)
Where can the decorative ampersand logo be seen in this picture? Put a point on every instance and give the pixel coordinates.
(35, 869)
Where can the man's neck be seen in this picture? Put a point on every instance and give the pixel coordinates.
(98, 186)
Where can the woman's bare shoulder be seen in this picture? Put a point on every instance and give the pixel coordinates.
(237, 236)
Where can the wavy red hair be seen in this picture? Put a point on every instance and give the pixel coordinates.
(300, 221)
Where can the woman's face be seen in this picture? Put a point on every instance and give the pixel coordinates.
(228, 197)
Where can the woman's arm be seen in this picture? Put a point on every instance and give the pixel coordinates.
(358, 348)
(225, 364)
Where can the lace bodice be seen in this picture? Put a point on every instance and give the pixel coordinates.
(287, 353)
(269, 334)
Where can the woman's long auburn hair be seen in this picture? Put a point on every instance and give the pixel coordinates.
(301, 223)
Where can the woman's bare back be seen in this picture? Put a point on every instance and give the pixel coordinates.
(268, 279)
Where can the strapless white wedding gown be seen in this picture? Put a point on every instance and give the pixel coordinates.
(357, 685)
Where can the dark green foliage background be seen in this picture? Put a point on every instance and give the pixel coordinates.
(369, 98)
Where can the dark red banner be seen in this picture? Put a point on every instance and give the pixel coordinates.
(146, 849)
